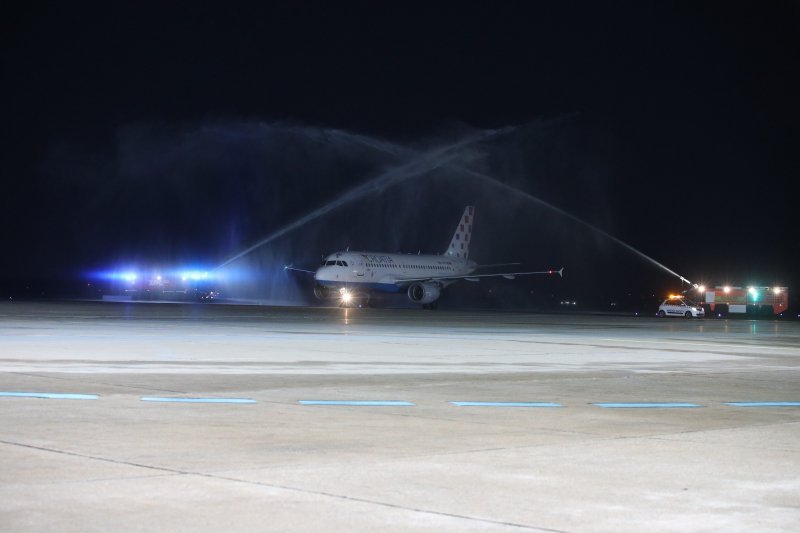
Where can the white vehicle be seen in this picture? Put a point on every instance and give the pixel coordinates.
(351, 277)
(680, 307)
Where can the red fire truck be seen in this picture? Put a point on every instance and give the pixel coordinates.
(750, 300)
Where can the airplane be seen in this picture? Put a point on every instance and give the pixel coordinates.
(352, 277)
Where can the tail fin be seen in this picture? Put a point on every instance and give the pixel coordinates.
(459, 244)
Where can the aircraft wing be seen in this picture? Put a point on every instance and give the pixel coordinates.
(476, 277)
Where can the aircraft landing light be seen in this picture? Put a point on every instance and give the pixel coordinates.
(506, 404)
(197, 400)
(646, 405)
(355, 402)
(50, 395)
(764, 404)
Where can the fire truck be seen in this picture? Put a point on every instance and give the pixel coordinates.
(749, 300)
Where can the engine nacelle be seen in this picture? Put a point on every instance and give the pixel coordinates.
(325, 293)
(424, 293)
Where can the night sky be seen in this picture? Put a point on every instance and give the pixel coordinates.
(185, 132)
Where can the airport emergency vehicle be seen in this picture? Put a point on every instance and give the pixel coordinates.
(751, 300)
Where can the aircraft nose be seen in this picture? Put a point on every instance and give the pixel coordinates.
(322, 273)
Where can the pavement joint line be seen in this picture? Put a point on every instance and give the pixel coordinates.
(50, 395)
(360, 403)
(648, 405)
(196, 400)
(506, 404)
(86, 381)
(281, 487)
(689, 343)
(764, 404)
(696, 431)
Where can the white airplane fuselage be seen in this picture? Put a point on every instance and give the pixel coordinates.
(375, 271)
(356, 275)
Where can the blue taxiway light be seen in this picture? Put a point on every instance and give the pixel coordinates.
(355, 402)
(50, 395)
(506, 404)
(645, 405)
(764, 404)
(197, 400)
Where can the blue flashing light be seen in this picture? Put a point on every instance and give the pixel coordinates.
(130, 277)
(194, 275)
(126, 275)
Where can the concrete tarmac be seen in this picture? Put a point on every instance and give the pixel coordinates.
(131, 417)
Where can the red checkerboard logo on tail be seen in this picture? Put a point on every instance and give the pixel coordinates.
(459, 244)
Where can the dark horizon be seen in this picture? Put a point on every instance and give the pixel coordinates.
(182, 134)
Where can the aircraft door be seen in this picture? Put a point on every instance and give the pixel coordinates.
(358, 267)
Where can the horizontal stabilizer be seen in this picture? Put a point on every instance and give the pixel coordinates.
(498, 265)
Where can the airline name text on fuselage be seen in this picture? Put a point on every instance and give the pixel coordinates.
(384, 259)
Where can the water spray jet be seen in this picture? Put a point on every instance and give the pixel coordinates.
(420, 166)
(396, 151)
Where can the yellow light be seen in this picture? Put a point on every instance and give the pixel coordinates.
(673, 296)
(345, 296)
(726, 289)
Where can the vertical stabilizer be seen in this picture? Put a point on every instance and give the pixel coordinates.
(459, 245)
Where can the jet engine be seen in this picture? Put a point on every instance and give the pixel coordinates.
(424, 293)
(325, 293)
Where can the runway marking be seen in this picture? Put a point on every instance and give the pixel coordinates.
(50, 395)
(764, 404)
(506, 404)
(356, 402)
(646, 405)
(197, 400)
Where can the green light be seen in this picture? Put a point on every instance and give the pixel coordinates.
(753, 292)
